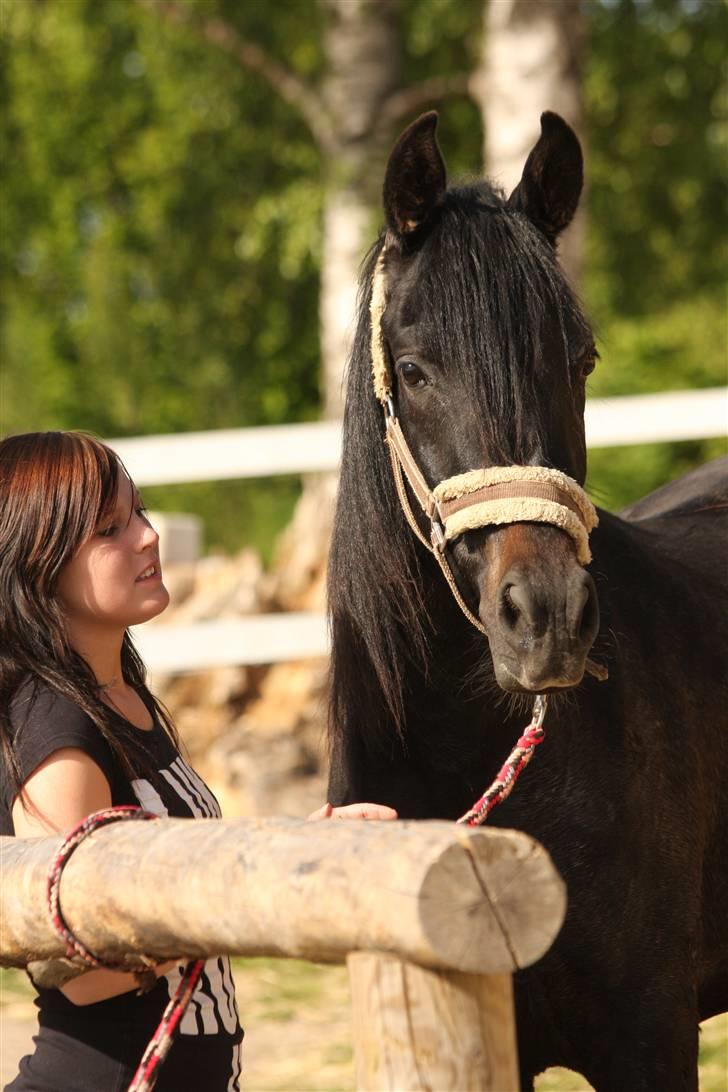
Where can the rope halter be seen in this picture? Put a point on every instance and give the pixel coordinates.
(479, 498)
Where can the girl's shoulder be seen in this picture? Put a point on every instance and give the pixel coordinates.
(37, 703)
(43, 720)
(37, 710)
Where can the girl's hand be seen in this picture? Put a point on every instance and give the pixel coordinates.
(355, 811)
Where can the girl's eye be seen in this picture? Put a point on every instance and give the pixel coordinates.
(141, 511)
(412, 376)
(108, 532)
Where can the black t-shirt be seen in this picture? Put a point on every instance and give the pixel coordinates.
(95, 1048)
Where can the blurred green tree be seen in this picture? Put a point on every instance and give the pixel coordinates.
(159, 248)
(162, 212)
(655, 94)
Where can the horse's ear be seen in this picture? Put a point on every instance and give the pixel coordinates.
(415, 180)
(552, 179)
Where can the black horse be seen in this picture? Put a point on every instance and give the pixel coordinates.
(489, 351)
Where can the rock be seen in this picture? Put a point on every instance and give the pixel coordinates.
(221, 587)
(298, 577)
(276, 773)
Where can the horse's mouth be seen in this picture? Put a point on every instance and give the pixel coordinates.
(524, 683)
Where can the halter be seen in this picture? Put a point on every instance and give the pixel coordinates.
(480, 498)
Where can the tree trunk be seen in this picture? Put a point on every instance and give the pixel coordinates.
(531, 62)
(362, 46)
(362, 57)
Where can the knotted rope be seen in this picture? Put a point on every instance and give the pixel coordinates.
(511, 769)
(158, 1047)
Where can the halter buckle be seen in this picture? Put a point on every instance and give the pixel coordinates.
(437, 535)
(538, 712)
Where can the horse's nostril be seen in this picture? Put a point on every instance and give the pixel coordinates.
(589, 622)
(517, 604)
(565, 613)
(508, 611)
(520, 598)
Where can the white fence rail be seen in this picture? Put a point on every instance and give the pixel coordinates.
(303, 449)
(308, 448)
(254, 639)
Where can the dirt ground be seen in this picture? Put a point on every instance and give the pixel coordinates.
(298, 1035)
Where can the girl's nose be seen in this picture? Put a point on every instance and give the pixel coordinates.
(149, 537)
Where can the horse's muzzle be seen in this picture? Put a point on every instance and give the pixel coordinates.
(542, 618)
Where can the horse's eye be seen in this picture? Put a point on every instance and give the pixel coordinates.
(411, 374)
(589, 362)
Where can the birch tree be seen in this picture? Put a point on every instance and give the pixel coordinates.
(531, 62)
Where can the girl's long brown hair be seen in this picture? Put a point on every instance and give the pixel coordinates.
(55, 490)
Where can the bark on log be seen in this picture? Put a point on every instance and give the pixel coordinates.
(432, 893)
(418, 1029)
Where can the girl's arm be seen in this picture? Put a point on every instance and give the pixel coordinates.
(60, 792)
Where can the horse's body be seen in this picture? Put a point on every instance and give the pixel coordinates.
(629, 792)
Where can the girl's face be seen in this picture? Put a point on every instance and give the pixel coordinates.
(115, 579)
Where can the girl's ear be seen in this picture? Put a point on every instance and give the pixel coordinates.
(415, 180)
(552, 179)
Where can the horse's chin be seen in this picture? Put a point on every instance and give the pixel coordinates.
(516, 678)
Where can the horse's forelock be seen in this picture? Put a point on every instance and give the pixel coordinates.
(487, 282)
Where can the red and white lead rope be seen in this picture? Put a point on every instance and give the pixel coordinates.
(509, 772)
(158, 1046)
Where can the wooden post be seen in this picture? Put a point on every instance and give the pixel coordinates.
(418, 1030)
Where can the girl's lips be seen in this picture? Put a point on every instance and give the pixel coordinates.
(152, 572)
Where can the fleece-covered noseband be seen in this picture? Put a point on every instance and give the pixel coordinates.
(478, 498)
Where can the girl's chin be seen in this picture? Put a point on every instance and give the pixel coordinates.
(155, 601)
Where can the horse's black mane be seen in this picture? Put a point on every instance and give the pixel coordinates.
(479, 259)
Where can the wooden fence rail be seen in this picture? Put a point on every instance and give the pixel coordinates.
(432, 919)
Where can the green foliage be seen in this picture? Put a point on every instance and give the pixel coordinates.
(161, 219)
(250, 512)
(161, 252)
(657, 136)
(681, 346)
(442, 38)
(655, 91)
(620, 475)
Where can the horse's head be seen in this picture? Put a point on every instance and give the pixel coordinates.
(487, 353)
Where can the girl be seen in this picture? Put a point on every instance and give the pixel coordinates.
(79, 731)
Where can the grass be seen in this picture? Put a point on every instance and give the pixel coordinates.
(298, 1037)
(16, 992)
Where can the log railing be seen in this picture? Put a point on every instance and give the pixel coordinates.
(431, 918)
